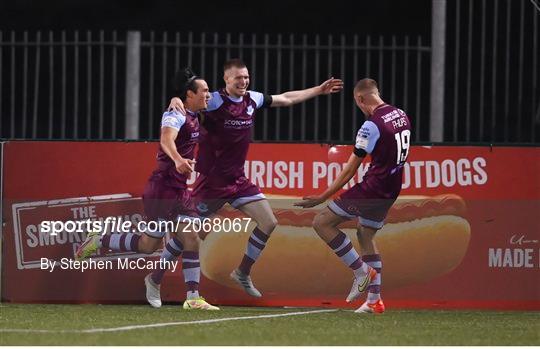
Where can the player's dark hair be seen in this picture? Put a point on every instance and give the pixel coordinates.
(233, 62)
(184, 80)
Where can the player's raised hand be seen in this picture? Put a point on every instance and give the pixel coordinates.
(331, 86)
(177, 105)
(185, 166)
(309, 201)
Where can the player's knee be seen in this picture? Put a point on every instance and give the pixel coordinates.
(271, 225)
(365, 234)
(362, 239)
(190, 240)
(148, 244)
(267, 225)
(319, 222)
(190, 236)
(147, 248)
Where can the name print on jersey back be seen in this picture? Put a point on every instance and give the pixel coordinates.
(386, 136)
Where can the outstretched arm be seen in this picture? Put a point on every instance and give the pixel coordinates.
(366, 139)
(293, 97)
(344, 177)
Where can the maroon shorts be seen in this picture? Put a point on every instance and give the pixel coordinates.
(211, 194)
(163, 202)
(370, 208)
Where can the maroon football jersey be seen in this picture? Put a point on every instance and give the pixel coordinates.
(188, 136)
(386, 136)
(226, 135)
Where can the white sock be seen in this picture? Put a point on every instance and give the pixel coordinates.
(192, 294)
(373, 297)
(361, 272)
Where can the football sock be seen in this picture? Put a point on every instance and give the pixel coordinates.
(256, 243)
(344, 249)
(172, 250)
(374, 288)
(192, 273)
(121, 242)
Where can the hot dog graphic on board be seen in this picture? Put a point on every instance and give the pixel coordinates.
(423, 238)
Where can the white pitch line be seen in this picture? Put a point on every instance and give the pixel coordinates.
(165, 324)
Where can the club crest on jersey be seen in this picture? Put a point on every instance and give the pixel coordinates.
(202, 207)
(250, 110)
(353, 209)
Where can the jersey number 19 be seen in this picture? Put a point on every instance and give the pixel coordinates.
(403, 140)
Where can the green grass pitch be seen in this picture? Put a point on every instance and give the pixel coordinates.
(102, 325)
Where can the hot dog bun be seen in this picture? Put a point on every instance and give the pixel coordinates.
(424, 237)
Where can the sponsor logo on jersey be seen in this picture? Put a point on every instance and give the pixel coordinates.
(394, 114)
(238, 124)
(361, 142)
(170, 121)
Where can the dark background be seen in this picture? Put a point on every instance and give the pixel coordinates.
(492, 74)
(361, 17)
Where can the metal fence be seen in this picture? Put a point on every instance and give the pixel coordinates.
(73, 85)
(492, 71)
(62, 85)
(81, 85)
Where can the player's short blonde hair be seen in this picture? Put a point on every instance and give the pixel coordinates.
(366, 86)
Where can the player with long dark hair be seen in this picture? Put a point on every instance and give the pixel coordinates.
(166, 196)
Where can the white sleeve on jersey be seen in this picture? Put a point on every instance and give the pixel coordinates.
(367, 137)
(257, 97)
(173, 119)
(215, 101)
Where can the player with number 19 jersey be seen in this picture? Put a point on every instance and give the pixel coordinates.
(386, 137)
